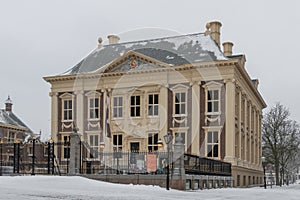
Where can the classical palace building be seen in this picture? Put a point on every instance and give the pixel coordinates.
(127, 96)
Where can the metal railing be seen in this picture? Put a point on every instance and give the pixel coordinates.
(204, 166)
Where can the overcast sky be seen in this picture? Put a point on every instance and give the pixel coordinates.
(42, 38)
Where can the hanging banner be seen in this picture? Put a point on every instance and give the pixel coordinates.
(151, 163)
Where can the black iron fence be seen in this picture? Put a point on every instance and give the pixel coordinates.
(54, 158)
(204, 166)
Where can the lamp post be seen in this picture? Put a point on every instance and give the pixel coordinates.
(264, 168)
(168, 140)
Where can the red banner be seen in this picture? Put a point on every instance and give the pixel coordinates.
(151, 163)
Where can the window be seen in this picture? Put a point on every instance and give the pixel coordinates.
(153, 105)
(11, 137)
(212, 144)
(152, 142)
(46, 150)
(213, 101)
(94, 144)
(180, 103)
(66, 140)
(117, 142)
(118, 107)
(67, 109)
(93, 108)
(30, 151)
(135, 106)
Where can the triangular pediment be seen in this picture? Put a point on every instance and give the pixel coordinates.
(134, 61)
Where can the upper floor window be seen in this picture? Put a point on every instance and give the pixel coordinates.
(94, 108)
(180, 103)
(212, 144)
(67, 109)
(11, 137)
(213, 99)
(153, 105)
(135, 106)
(118, 107)
(152, 142)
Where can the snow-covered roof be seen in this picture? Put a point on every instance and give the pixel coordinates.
(9, 118)
(175, 51)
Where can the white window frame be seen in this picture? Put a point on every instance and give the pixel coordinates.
(211, 86)
(66, 146)
(153, 105)
(94, 146)
(135, 106)
(11, 139)
(118, 146)
(119, 115)
(93, 95)
(153, 145)
(180, 88)
(67, 97)
(218, 130)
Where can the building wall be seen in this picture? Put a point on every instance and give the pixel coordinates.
(239, 120)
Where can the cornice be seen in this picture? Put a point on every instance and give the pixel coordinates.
(14, 127)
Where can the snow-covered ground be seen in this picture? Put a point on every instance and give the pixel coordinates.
(55, 187)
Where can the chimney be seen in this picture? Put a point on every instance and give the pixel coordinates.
(8, 104)
(113, 39)
(227, 48)
(99, 42)
(213, 29)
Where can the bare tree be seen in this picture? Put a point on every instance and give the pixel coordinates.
(280, 139)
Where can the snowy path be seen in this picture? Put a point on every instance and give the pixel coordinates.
(54, 187)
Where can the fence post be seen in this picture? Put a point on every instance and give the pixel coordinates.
(33, 157)
(52, 156)
(178, 157)
(74, 152)
(1, 157)
(49, 157)
(18, 157)
(80, 157)
(15, 157)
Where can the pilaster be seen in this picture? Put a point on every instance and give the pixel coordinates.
(54, 115)
(230, 121)
(80, 111)
(195, 119)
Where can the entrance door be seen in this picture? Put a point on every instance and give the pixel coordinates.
(134, 146)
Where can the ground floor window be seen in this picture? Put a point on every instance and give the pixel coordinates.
(212, 144)
(94, 146)
(152, 142)
(66, 149)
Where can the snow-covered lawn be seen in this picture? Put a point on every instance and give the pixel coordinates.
(56, 187)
